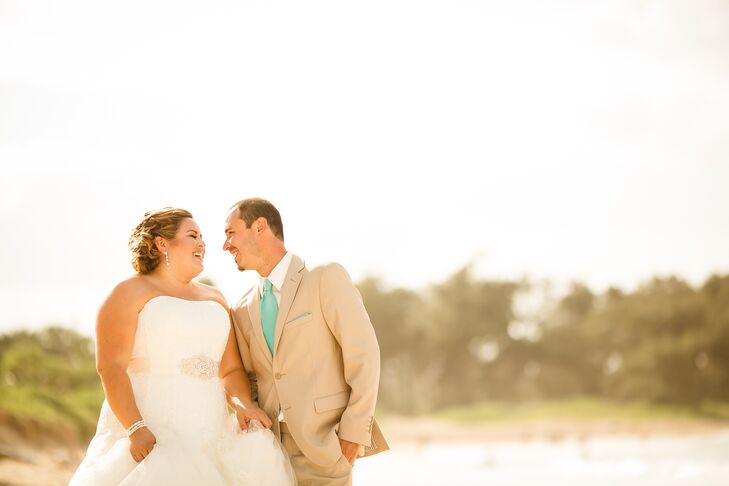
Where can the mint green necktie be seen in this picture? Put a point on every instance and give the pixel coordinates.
(269, 313)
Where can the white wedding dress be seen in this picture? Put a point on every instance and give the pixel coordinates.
(176, 354)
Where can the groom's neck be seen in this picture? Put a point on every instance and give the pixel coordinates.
(271, 259)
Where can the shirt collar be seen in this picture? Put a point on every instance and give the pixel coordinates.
(278, 274)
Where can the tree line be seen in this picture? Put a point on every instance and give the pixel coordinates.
(463, 341)
(468, 340)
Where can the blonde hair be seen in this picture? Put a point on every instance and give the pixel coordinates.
(161, 222)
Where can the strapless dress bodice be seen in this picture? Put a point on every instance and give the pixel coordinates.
(180, 336)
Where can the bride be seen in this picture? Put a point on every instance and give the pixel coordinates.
(168, 361)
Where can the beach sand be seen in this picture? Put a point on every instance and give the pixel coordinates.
(32, 461)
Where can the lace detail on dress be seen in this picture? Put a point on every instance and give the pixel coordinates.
(199, 366)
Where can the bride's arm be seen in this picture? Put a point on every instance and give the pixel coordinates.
(237, 387)
(116, 325)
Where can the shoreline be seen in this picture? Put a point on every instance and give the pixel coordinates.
(404, 430)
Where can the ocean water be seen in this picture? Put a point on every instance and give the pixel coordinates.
(625, 461)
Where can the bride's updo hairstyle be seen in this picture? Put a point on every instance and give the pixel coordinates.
(161, 222)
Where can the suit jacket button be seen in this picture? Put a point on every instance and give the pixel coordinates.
(278, 376)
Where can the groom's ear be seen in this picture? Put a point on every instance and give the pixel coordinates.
(260, 225)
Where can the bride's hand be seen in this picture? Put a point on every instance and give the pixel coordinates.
(142, 443)
(246, 414)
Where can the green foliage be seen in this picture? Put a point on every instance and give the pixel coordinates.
(470, 319)
(50, 376)
(451, 345)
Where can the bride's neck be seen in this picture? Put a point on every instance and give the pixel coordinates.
(169, 280)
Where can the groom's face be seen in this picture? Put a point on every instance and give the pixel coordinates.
(239, 241)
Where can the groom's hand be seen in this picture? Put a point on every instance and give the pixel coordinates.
(252, 412)
(349, 450)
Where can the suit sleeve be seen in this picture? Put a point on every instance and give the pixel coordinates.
(347, 318)
(243, 344)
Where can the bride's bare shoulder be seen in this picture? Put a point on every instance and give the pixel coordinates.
(134, 291)
(209, 292)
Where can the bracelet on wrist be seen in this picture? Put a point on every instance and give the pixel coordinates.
(135, 426)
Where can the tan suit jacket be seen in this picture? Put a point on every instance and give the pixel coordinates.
(325, 369)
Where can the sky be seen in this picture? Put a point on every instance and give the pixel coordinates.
(563, 140)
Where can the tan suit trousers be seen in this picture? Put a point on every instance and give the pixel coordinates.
(310, 474)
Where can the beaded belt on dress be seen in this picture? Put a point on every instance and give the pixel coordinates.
(198, 366)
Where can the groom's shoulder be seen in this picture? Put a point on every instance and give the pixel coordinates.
(330, 270)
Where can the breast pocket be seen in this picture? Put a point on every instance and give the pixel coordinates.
(300, 319)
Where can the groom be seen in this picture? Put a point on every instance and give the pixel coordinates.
(307, 338)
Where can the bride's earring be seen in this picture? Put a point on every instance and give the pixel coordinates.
(167, 260)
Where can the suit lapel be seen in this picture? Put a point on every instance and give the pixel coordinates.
(288, 292)
(254, 311)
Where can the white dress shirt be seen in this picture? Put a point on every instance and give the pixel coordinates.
(277, 277)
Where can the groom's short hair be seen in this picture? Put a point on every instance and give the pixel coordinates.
(253, 208)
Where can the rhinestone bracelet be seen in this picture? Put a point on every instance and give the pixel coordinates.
(135, 426)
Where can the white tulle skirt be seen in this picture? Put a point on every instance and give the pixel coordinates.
(198, 442)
